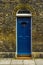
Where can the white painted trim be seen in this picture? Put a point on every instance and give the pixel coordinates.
(16, 36)
(21, 15)
(31, 35)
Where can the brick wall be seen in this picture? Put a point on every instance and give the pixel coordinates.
(8, 9)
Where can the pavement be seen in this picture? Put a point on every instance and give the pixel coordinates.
(12, 61)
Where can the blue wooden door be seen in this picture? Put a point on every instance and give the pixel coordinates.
(23, 35)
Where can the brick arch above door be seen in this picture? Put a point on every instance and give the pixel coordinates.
(26, 6)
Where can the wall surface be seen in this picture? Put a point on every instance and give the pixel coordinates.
(8, 9)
